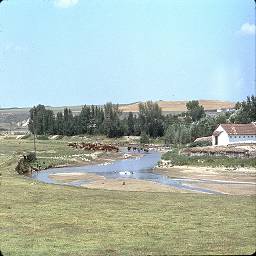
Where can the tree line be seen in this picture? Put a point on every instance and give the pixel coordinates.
(148, 122)
(186, 127)
(106, 120)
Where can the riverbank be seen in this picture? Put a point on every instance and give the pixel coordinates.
(44, 219)
(57, 153)
(177, 158)
(238, 181)
(77, 160)
(94, 181)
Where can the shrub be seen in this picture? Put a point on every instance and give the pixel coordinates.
(26, 136)
(59, 137)
(22, 166)
(42, 137)
(30, 157)
(144, 138)
(200, 144)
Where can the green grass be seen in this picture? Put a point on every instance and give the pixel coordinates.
(213, 161)
(49, 152)
(41, 219)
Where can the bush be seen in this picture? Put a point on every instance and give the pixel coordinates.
(59, 137)
(22, 167)
(56, 137)
(144, 138)
(30, 157)
(200, 144)
(26, 136)
(42, 137)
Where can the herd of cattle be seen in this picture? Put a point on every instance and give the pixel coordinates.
(103, 147)
(137, 149)
(94, 146)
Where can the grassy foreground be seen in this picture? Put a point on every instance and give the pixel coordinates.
(40, 219)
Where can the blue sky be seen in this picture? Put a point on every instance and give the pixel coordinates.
(71, 52)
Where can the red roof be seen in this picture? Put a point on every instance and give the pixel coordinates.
(240, 129)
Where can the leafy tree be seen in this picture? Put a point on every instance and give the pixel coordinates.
(112, 125)
(238, 105)
(246, 113)
(177, 134)
(195, 111)
(130, 124)
(59, 123)
(84, 119)
(137, 130)
(221, 119)
(171, 119)
(151, 119)
(99, 118)
(68, 128)
(92, 120)
(202, 128)
(76, 125)
(144, 138)
(49, 122)
(41, 120)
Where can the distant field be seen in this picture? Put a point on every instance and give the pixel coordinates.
(180, 106)
(19, 114)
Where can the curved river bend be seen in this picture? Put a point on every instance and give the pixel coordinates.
(134, 168)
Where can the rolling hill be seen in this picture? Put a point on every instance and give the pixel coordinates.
(180, 106)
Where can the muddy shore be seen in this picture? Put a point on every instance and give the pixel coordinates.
(100, 182)
(240, 181)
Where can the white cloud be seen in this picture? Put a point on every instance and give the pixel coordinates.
(65, 3)
(248, 29)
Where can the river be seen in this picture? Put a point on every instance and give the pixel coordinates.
(140, 168)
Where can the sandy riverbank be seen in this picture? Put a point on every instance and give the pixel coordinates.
(68, 177)
(100, 182)
(246, 177)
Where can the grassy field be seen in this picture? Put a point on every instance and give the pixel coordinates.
(41, 219)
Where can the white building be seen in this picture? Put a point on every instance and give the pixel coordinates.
(227, 134)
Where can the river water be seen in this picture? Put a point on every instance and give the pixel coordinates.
(133, 168)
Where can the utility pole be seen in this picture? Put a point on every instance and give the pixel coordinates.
(255, 47)
(34, 132)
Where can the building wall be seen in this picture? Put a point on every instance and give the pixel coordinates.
(242, 139)
(225, 139)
